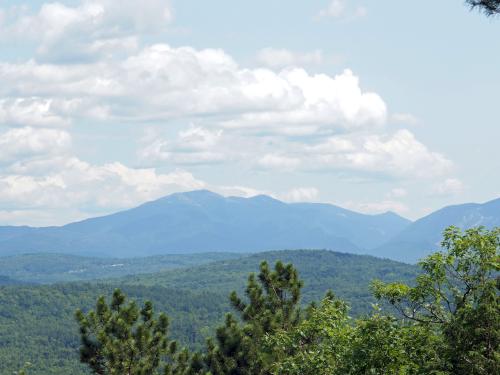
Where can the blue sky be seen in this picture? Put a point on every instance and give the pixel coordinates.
(370, 105)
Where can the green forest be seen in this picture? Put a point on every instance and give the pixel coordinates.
(301, 312)
(37, 320)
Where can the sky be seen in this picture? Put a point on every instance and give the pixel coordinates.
(371, 105)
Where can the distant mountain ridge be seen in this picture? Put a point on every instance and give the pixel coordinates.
(424, 235)
(202, 221)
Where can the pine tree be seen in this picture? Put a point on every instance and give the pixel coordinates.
(120, 339)
(272, 303)
(489, 7)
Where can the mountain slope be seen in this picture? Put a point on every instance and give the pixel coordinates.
(424, 235)
(47, 268)
(202, 221)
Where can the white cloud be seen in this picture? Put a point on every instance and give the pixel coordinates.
(280, 57)
(92, 70)
(275, 161)
(403, 153)
(32, 112)
(398, 155)
(195, 145)
(91, 188)
(240, 191)
(322, 102)
(341, 9)
(161, 83)
(397, 193)
(27, 143)
(336, 9)
(302, 194)
(450, 186)
(90, 29)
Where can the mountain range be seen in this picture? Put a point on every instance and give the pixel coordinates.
(202, 221)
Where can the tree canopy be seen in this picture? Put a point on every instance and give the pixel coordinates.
(489, 7)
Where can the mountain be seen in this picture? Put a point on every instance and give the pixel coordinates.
(424, 235)
(202, 221)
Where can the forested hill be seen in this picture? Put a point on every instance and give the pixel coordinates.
(37, 321)
(46, 268)
(202, 221)
(6, 280)
(348, 275)
(38, 326)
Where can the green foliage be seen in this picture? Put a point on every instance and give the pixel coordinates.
(348, 275)
(447, 322)
(119, 338)
(272, 303)
(317, 345)
(329, 342)
(473, 334)
(383, 345)
(458, 295)
(37, 324)
(24, 370)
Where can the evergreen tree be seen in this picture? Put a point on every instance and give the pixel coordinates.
(272, 303)
(120, 339)
(489, 7)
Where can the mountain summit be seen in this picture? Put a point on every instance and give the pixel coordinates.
(202, 221)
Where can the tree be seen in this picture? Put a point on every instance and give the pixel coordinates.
(489, 7)
(458, 294)
(318, 345)
(272, 303)
(120, 339)
(329, 342)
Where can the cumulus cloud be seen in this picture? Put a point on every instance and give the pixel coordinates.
(162, 83)
(91, 188)
(39, 172)
(20, 144)
(322, 102)
(93, 69)
(280, 57)
(32, 112)
(401, 153)
(89, 29)
(450, 186)
(302, 194)
(398, 155)
(195, 145)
